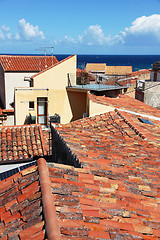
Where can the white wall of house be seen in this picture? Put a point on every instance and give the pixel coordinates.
(13, 80)
(152, 94)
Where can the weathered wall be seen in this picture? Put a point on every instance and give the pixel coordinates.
(152, 94)
(145, 76)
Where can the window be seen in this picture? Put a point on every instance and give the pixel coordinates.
(42, 110)
(31, 105)
(143, 120)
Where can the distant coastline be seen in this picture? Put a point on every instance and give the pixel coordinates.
(136, 61)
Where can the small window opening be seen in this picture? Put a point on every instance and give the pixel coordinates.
(31, 105)
(143, 120)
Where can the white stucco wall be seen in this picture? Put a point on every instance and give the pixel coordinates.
(13, 80)
(152, 94)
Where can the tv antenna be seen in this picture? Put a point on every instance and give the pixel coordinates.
(45, 50)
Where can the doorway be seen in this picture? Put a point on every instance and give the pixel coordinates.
(42, 110)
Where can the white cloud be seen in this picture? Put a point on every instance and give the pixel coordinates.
(143, 31)
(2, 37)
(145, 25)
(28, 31)
(93, 35)
(4, 33)
(5, 28)
(9, 36)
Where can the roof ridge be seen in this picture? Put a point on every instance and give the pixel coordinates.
(49, 209)
(137, 129)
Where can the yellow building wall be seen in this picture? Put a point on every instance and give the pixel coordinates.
(55, 80)
(57, 76)
(96, 108)
(22, 98)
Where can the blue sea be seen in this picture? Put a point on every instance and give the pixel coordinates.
(136, 61)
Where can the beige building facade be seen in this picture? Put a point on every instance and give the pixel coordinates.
(49, 96)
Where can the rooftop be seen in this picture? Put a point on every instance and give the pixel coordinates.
(156, 65)
(96, 67)
(126, 103)
(21, 143)
(96, 87)
(13, 63)
(116, 193)
(114, 196)
(118, 70)
(21, 209)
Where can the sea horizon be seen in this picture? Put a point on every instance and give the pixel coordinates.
(137, 61)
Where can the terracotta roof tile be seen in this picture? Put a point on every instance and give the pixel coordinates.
(115, 195)
(118, 70)
(8, 111)
(140, 72)
(21, 219)
(96, 67)
(26, 63)
(21, 143)
(127, 103)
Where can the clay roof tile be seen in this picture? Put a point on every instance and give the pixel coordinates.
(21, 143)
(17, 63)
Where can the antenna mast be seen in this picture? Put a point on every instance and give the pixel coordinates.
(45, 49)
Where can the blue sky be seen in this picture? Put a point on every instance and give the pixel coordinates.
(80, 27)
